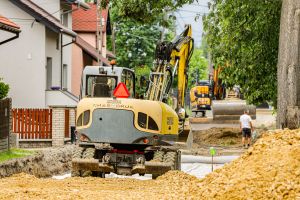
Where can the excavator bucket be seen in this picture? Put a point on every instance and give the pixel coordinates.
(231, 109)
(186, 137)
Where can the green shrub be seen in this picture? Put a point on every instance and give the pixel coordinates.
(4, 88)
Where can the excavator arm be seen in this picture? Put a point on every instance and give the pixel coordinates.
(182, 54)
(171, 60)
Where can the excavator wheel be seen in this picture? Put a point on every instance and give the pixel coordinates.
(77, 153)
(158, 156)
(87, 154)
(170, 157)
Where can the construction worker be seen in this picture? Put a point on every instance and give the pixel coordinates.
(246, 128)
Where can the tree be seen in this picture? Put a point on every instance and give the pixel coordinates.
(135, 44)
(145, 11)
(288, 66)
(198, 64)
(4, 88)
(243, 36)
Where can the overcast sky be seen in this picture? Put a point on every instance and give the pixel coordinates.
(187, 14)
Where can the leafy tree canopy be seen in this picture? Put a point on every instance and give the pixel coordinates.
(146, 11)
(243, 38)
(135, 44)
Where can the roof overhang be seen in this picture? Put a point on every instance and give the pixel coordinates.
(9, 26)
(110, 54)
(42, 16)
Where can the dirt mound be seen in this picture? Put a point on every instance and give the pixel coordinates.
(218, 137)
(44, 163)
(268, 170)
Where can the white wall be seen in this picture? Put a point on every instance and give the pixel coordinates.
(51, 6)
(22, 61)
(67, 53)
(54, 53)
(58, 98)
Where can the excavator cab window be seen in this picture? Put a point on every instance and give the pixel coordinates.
(128, 79)
(100, 86)
(152, 124)
(142, 120)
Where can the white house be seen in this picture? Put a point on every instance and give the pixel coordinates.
(37, 66)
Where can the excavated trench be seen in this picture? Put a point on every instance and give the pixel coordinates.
(42, 164)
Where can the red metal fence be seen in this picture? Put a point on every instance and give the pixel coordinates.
(32, 123)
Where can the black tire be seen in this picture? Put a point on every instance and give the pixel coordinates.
(87, 154)
(158, 156)
(77, 153)
(170, 157)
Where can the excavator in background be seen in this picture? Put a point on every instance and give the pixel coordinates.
(227, 104)
(201, 97)
(212, 94)
(120, 134)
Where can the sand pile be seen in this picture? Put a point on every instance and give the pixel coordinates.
(268, 170)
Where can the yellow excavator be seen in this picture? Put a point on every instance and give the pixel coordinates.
(201, 97)
(120, 134)
(226, 104)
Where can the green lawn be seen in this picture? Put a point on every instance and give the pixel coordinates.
(14, 153)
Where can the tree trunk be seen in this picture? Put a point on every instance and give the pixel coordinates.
(288, 66)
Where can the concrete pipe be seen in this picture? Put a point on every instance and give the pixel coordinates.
(231, 110)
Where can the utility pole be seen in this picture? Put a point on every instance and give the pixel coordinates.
(113, 38)
(99, 29)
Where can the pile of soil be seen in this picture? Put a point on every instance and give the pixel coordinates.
(44, 163)
(268, 170)
(218, 137)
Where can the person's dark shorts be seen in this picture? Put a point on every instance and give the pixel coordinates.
(246, 132)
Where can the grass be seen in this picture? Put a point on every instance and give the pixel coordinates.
(14, 153)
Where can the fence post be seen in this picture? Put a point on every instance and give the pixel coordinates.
(58, 126)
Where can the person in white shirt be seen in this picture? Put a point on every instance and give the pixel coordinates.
(246, 128)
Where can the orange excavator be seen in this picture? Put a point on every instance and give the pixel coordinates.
(213, 95)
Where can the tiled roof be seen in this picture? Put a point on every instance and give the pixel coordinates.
(86, 21)
(8, 25)
(89, 49)
(43, 16)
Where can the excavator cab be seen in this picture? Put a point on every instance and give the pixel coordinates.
(101, 81)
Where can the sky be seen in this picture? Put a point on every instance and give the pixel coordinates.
(187, 14)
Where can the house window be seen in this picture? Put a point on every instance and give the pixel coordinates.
(65, 76)
(57, 43)
(49, 73)
(64, 19)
